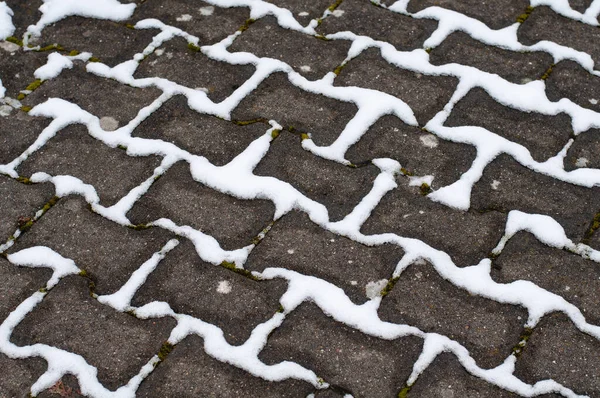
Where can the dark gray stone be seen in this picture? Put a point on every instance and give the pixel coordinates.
(407, 213)
(16, 70)
(446, 378)
(545, 24)
(276, 98)
(69, 319)
(580, 5)
(178, 197)
(296, 243)
(544, 136)
(17, 132)
(212, 293)
(520, 188)
(557, 350)
(495, 14)
(189, 371)
(310, 9)
(99, 96)
(363, 366)
(516, 67)
(389, 137)
(585, 151)
(366, 19)
(74, 152)
(569, 80)
(193, 69)
(216, 139)
(297, 49)
(340, 188)
(19, 203)
(106, 250)
(426, 95)
(18, 375)
(423, 299)
(25, 13)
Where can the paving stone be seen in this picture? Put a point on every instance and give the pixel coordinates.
(16, 70)
(585, 151)
(595, 240)
(193, 69)
(17, 284)
(542, 25)
(309, 56)
(340, 188)
(17, 132)
(446, 378)
(189, 371)
(495, 14)
(111, 42)
(100, 96)
(212, 293)
(292, 243)
(426, 95)
(559, 351)
(69, 319)
(419, 152)
(580, 5)
(365, 19)
(568, 275)
(25, 13)
(407, 213)
(569, 80)
(209, 23)
(176, 196)
(68, 386)
(544, 136)
(421, 298)
(514, 66)
(74, 152)
(276, 98)
(20, 201)
(304, 10)
(217, 140)
(106, 250)
(519, 188)
(362, 365)
(18, 375)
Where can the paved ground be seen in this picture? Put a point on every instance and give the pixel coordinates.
(230, 313)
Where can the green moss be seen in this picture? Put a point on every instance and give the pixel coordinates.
(339, 69)
(129, 26)
(251, 121)
(321, 37)
(404, 392)
(21, 96)
(428, 50)
(594, 226)
(83, 273)
(335, 5)
(123, 147)
(50, 204)
(35, 85)
(94, 59)
(241, 271)
(139, 227)
(25, 224)
(388, 288)
(246, 25)
(52, 47)
(425, 189)
(518, 349)
(73, 53)
(24, 180)
(193, 47)
(304, 136)
(165, 350)
(14, 40)
(405, 172)
(523, 17)
(25, 108)
(275, 133)
(43, 290)
(548, 72)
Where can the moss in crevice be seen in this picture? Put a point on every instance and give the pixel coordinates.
(594, 226)
(24, 180)
(246, 24)
(335, 5)
(251, 121)
(26, 108)
(14, 40)
(339, 69)
(34, 85)
(193, 47)
(139, 227)
(404, 392)
(425, 189)
(547, 73)
(390, 285)
(523, 17)
(165, 350)
(244, 272)
(517, 350)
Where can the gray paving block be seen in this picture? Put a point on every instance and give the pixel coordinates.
(117, 344)
(426, 95)
(25, 13)
(17, 69)
(212, 293)
(585, 151)
(569, 80)
(296, 243)
(351, 361)
(176, 196)
(304, 10)
(18, 131)
(544, 136)
(18, 375)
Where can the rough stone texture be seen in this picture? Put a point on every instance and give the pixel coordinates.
(25, 13)
(18, 131)
(99, 96)
(544, 136)
(495, 14)
(106, 250)
(69, 319)
(214, 294)
(585, 151)
(417, 151)
(294, 48)
(20, 201)
(568, 275)
(423, 299)
(522, 189)
(542, 25)
(516, 67)
(217, 79)
(217, 140)
(17, 69)
(363, 18)
(580, 5)
(426, 95)
(176, 196)
(189, 371)
(557, 350)
(361, 365)
(276, 98)
(74, 152)
(446, 378)
(304, 10)
(407, 213)
(349, 265)
(569, 80)
(332, 184)
(18, 376)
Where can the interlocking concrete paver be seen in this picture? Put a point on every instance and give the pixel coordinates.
(18, 67)
(304, 10)
(585, 151)
(18, 376)
(17, 284)
(569, 80)
(19, 131)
